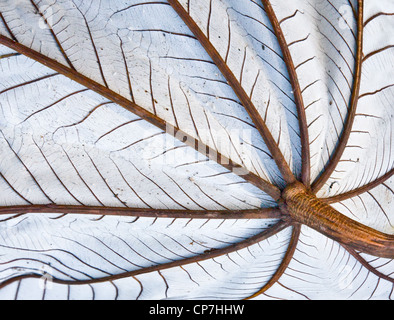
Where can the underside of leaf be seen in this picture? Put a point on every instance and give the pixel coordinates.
(188, 149)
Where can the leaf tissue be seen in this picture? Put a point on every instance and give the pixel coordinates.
(196, 149)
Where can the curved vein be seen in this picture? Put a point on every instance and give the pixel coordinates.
(335, 158)
(365, 264)
(284, 264)
(305, 152)
(210, 254)
(360, 190)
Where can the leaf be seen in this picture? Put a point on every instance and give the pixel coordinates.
(196, 149)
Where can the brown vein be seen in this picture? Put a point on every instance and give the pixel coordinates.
(26, 168)
(127, 70)
(377, 15)
(56, 175)
(238, 90)
(53, 35)
(334, 160)
(105, 180)
(29, 82)
(305, 152)
(360, 190)
(114, 129)
(94, 48)
(80, 177)
(284, 264)
(376, 91)
(209, 254)
(291, 16)
(13, 189)
(9, 55)
(377, 51)
(365, 264)
(141, 112)
(86, 117)
(8, 28)
(139, 4)
(55, 103)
